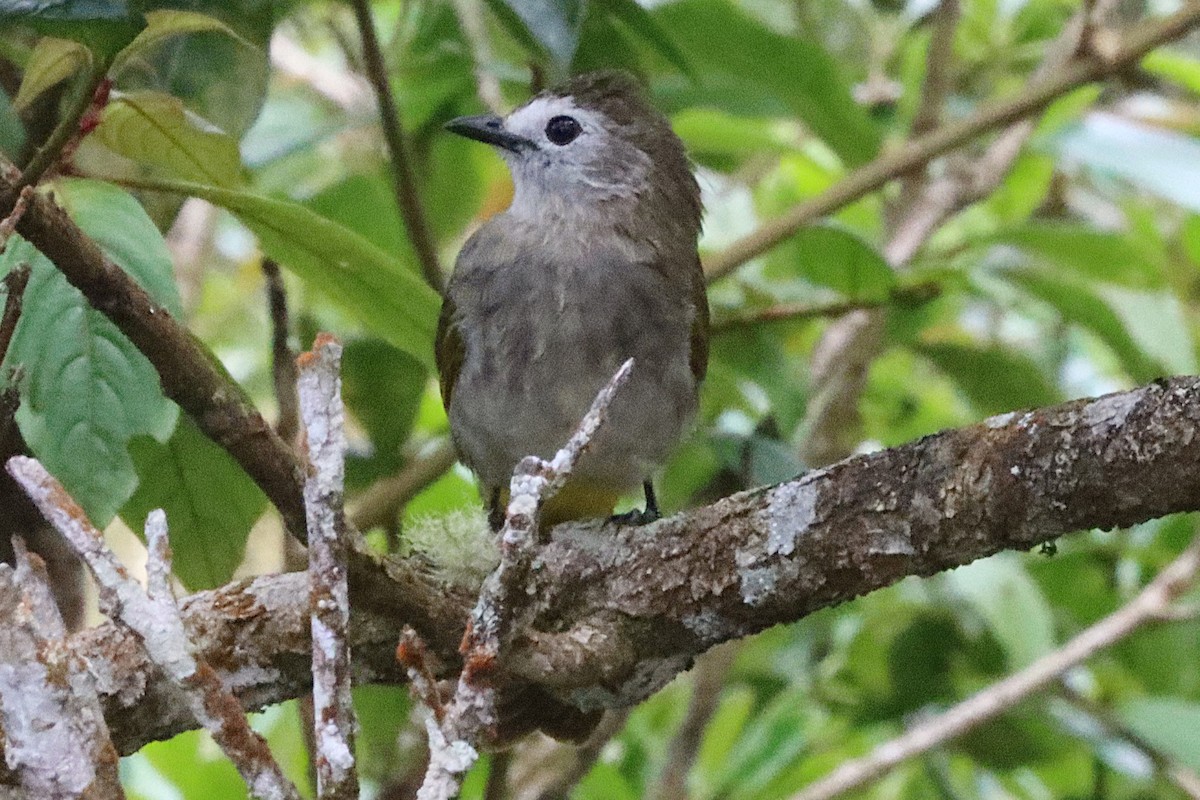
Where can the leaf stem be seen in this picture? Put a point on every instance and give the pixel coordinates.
(52, 149)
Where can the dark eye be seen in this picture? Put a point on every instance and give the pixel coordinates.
(562, 130)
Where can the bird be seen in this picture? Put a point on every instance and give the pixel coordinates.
(594, 262)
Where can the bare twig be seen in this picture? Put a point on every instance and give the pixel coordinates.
(379, 505)
(189, 374)
(472, 711)
(9, 223)
(1185, 779)
(871, 176)
(283, 360)
(14, 284)
(474, 29)
(54, 734)
(1147, 607)
(584, 757)
(403, 180)
(93, 91)
(707, 680)
(156, 621)
(324, 419)
(790, 312)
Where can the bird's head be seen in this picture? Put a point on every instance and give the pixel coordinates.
(592, 140)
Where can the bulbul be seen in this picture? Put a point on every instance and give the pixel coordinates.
(594, 262)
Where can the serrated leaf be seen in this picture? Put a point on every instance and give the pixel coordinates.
(165, 23)
(53, 60)
(736, 56)
(831, 256)
(87, 390)
(554, 24)
(211, 503)
(1011, 603)
(1171, 724)
(373, 286)
(156, 129)
(994, 379)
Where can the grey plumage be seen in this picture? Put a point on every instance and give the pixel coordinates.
(594, 262)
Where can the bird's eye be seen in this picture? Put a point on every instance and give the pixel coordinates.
(562, 130)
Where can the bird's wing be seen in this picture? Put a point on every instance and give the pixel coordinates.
(449, 351)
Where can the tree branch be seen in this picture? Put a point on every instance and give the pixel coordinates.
(1147, 607)
(599, 635)
(1085, 69)
(189, 375)
(404, 183)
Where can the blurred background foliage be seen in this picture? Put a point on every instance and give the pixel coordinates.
(1076, 276)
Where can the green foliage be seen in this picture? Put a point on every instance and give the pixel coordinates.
(87, 391)
(1074, 276)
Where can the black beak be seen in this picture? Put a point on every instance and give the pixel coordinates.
(488, 128)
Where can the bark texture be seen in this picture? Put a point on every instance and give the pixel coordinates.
(611, 614)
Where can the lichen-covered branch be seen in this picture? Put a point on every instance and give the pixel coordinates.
(612, 613)
(154, 619)
(320, 392)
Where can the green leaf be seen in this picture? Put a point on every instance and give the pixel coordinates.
(1079, 305)
(87, 389)
(388, 296)
(640, 21)
(994, 379)
(165, 23)
(155, 129)
(53, 60)
(382, 387)
(1174, 66)
(1004, 595)
(735, 54)
(1094, 255)
(211, 503)
(554, 24)
(1169, 723)
(104, 26)
(831, 256)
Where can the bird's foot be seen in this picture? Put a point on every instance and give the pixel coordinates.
(636, 517)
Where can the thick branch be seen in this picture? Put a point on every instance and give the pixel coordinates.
(603, 633)
(872, 176)
(188, 373)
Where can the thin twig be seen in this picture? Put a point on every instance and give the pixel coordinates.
(474, 30)
(404, 181)
(155, 620)
(14, 284)
(472, 711)
(707, 679)
(1185, 779)
(325, 439)
(877, 173)
(585, 756)
(380, 504)
(283, 360)
(92, 91)
(1149, 606)
(188, 373)
(9, 223)
(917, 294)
